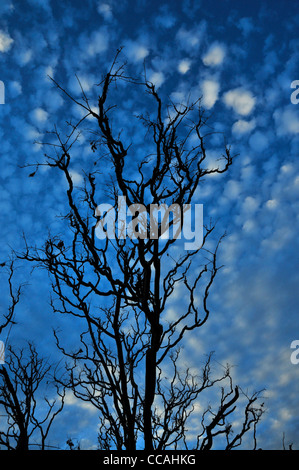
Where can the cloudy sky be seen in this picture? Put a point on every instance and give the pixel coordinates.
(242, 58)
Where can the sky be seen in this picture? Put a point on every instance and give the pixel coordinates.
(241, 57)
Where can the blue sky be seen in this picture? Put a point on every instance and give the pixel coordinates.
(241, 57)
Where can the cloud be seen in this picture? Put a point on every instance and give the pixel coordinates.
(165, 19)
(249, 226)
(256, 203)
(215, 55)
(189, 39)
(71, 400)
(39, 115)
(287, 121)
(242, 127)
(184, 66)
(24, 56)
(5, 41)
(135, 50)
(85, 80)
(97, 43)
(250, 204)
(15, 89)
(245, 25)
(233, 189)
(76, 177)
(210, 90)
(105, 10)
(157, 78)
(240, 100)
(271, 204)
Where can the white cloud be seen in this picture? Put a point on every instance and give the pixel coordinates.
(271, 204)
(249, 226)
(191, 39)
(39, 115)
(157, 78)
(24, 56)
(49, 71)
(71, 400)
(287, 168)
(241, 127)
(287, 121)
(86, 82)
(31, 133)
(98, 43)
(187, 38)
(184, 66)
(5, 41)
(240, 100)
(135, 50)
(179, 97)
(251, 204)
(105, 10)
(76, 177)
(233, 189)
(210, 90)
(212, 158)
(215, 55)
(15, 88)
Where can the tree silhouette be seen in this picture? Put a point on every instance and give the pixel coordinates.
(119, 287)
(29, 416)
(7, 317)
(24, 421)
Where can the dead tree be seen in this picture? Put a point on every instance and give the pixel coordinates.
(25, 423)
(7, 316)
(22, 375)
(120, 287)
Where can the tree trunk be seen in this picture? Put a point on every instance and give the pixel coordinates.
(150, 386)
(151, 356)
(23, 441)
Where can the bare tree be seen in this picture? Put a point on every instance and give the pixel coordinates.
(22, 374)
(127, 364)
(28, 415)
(7, 318)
